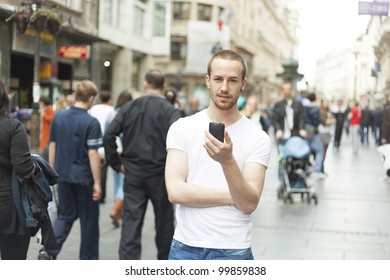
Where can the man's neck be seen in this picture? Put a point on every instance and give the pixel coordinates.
(154, 91)
(228, 117)
(81, 105)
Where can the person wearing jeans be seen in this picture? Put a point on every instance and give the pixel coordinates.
(216, 187)
(354, 119)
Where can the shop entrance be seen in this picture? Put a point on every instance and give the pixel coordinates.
(22, 79)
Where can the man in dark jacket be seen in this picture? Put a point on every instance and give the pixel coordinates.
(365, 123)
(288, 119)
(386, 123)
(289, 115)
(144, 123)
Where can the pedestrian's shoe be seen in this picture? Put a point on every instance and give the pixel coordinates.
(116, 212)
(44, 255)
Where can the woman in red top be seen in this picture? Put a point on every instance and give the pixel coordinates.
(47, 115)
(354, 122)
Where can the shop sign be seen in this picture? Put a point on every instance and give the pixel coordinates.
(75, 52)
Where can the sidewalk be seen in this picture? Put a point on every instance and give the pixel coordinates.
(351, 220)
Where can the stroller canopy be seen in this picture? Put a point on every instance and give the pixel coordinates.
(296, 147)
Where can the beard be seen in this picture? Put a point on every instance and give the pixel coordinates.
(224, 105)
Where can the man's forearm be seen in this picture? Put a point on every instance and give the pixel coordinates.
(199, 197)
(94, 161)
(244, 195)
(52, 151)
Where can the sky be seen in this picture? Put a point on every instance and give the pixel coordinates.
(325, 25)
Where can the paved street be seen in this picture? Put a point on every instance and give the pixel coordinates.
(351, 220)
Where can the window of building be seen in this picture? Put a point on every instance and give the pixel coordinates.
(160, 8)
(221, 13)
(110, 11)
(181, 10)
(139, 15)
(204, 12)
(178, 50)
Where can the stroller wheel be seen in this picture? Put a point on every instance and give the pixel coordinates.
(287, 197)
(280, 192)
(315, 198)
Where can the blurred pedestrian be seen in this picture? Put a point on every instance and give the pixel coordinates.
(144, 123)
(312, 122)
(251, 112)
(75, 138)
(11, 98)
(101, 112)
(327, 121)
(14, 157)
(193, 106)
(354, 122)
(216, 186)
(386, 123)
(377, 118)
(339, 114)
(61, 103)
(288, 120)
(47, 115)
(119, 177)
(171, 95)
(70, 100)
(365, 124)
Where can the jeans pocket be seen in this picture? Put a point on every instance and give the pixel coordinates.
(238, 254)
(177, 245)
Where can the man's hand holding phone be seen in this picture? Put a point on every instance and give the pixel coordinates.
(219, 151)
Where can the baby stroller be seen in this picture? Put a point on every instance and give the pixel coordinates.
(295, 162)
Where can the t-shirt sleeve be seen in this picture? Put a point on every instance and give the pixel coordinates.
(176, 136)
(94, 136)
(261, 150)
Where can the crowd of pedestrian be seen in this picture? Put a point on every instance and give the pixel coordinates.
(163, 153)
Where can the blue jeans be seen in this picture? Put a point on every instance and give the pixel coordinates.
(354, 136)
(180, 251)
(118, 185)
(317, 147)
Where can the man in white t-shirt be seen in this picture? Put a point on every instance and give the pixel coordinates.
(101, 112)
(216, 185)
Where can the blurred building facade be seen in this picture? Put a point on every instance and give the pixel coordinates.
(57, 74)
(137, 34)
(125, 38)
(358, 72)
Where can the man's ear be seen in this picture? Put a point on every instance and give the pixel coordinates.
(207, 78)
(243, 84)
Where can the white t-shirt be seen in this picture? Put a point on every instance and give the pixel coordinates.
(101, 112)
(222, 227)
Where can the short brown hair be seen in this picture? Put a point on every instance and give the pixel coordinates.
(228, 55)
(84, 90)
(155, 79)
(105, 96)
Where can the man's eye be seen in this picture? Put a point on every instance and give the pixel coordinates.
(217, 79)
(233, 81)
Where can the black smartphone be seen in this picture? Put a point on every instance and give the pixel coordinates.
(217, 130)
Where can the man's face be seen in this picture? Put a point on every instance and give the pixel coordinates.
(225, 83)
(287, 91)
